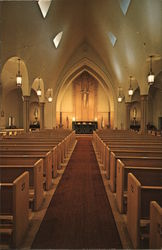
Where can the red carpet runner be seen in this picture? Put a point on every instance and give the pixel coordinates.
(79, 215)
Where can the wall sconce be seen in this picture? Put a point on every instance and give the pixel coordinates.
(130, 90)
(19, 76)
(50, 96)
(151, 75)
(120, 96)
(39, 91)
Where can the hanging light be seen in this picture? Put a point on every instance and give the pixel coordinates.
(119, 99)
(151, 75)
(130, 90)
(19, 76)
(50, 96)
(39, 91)
(120, 96)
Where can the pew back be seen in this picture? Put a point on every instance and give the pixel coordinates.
(10, 172)
(155, 239)
(147, 175)
(15, 201)
(139, 198)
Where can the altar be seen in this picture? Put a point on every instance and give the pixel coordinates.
(84, 127)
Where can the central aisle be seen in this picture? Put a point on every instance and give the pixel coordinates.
(79, 215)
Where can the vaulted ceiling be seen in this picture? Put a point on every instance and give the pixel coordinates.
(119, 43)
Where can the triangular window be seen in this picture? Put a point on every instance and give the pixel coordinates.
(44, 6)
(57, 39)
(112, 38)
(124, 4)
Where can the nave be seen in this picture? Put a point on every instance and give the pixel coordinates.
(81, 214)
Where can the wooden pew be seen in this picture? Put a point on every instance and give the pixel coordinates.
(126, 148)
(142, 159)
(62, 139)
(138, 207)
(36, 192)
(33, 149)
(33, 143)
(130, 145)
(141, 172)
(101, 148)
(155, 237)
(14, 197)
(10, 132)
(31, 159)
(27, 150)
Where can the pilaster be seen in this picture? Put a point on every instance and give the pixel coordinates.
(144, 114)
(41, 104)
(127, 120)
(26, 113)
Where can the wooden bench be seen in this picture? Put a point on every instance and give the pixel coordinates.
(37, 139)
(33, 149)
(151, 173)
(138, 208)
(36, 192)
(33, 144)
(14, 209)
(27, 150)
(10, 132)
(133, 158)
(31, 159)
(127, 148)
(155, 238)
(62, 139)
(104, 146)
(110, 146)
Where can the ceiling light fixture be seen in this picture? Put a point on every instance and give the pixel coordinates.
(39, 91)
(120, 96)
(19, 76)
(50, 96)
(151, 75)
(130, 90)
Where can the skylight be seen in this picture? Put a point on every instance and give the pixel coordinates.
(112, 38)
(124, 4)
(57, 39)
(44, 6)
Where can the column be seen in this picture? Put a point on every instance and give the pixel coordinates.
(41, 104)
(144, 110)
(60, 119)
(127, 122)
(109, 121)
(26, 113)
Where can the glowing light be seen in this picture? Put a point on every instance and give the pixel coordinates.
(44, 6)
(57, 39)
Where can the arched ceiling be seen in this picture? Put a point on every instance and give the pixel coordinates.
(85, 24)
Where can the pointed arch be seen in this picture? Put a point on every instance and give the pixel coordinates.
(93, 69)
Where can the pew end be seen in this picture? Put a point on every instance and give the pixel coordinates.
(15, 213)
(138, 209)
(155, 239)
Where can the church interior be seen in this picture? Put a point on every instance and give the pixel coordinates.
(81, 124)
